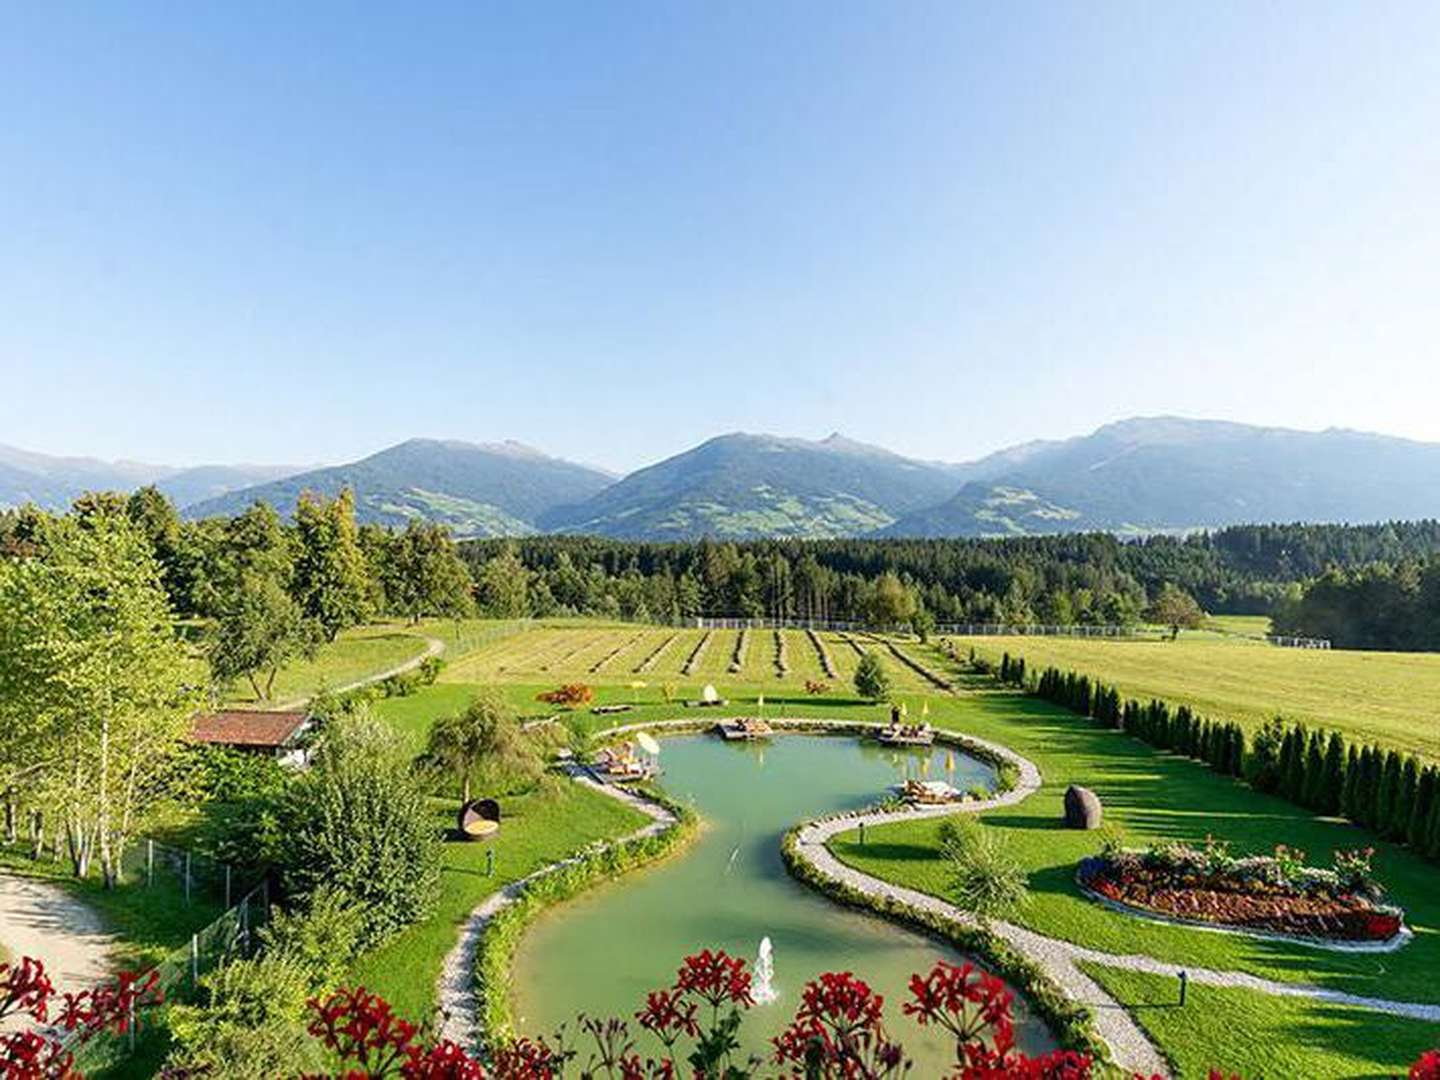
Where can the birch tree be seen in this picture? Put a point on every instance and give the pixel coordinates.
(93, 669)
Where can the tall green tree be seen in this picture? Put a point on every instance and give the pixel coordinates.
(424, 574)
(93, 660)
(331, 581)
(1175, 608)
(261, 630)
(872, 681)
(483, 739)
(504, 585)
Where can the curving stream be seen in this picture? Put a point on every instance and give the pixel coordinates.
(601, 953)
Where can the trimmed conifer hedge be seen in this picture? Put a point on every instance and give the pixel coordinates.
(1395, 794)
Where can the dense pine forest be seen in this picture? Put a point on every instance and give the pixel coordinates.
(1317, 580)
(1361, 586)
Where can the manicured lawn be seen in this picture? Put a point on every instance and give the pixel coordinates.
(1153, 796)
(1375, 696)
(355, 654)
(414, 715)
(1261, 1037)
(537, 829)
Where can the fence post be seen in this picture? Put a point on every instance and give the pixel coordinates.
(149, 863)
(187, 877)
(194, 961)
(227, 885)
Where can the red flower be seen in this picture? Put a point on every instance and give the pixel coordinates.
(527, 1059)
(838, 1031)
(362, 1027)
(964, 1000)
(1427, 1066)
(25, 988)
(715, 977)
(669, 1015)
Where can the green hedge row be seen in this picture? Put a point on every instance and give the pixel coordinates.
(496, 951)
(1071, 1023)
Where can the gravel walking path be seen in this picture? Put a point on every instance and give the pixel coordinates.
(433, 647)
(41, 919)
(1130, 1047)
(457, 1002)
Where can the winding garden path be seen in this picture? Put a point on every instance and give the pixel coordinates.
(1131, 1048)
(458, 1004)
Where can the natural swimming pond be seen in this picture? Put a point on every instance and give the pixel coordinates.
(600, 954)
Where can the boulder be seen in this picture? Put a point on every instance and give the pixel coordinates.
(1082, 808)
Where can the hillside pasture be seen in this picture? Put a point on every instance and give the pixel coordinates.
(1380, 697)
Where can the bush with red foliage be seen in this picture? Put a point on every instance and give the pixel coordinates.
(569, 696)
(26, 990)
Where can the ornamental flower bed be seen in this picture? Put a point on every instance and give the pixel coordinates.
(1275, 894)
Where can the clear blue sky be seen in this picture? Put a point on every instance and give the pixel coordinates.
(300, 232)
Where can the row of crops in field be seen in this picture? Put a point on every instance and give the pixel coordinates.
(624, 653)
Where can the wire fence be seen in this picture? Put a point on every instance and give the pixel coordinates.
(186, 879)
(230, 937)
(148, 862)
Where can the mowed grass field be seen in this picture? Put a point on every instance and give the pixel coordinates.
(607, 654)
(1390, 698)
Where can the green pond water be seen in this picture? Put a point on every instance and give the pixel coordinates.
(601, 953)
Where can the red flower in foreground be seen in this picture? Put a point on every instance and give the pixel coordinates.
(964, 1000)
(1427, 1067)
(838, 1031)
(669, 1015)
(527, 1059)
(25, 989)
(715, 977)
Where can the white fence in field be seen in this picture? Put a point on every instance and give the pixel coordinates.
(1077, 630)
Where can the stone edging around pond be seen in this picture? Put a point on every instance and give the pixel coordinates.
(986, 751)
(459, 1003)
(1402, 938)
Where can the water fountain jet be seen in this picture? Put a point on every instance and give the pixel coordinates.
(762, 987)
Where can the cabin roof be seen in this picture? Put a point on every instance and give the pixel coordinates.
(242, 727)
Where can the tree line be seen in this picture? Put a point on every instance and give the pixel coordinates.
(1395, 794)
(1381, 605)
(1089, 578)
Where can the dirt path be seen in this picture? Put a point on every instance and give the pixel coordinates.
(41, 919)
(433, 647)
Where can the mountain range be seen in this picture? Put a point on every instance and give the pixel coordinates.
(1133, 477)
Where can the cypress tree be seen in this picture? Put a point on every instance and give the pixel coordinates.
(1399, 823)
(1292, 762)
(1005, 667)
(1334, 782)
(1420, 809)
(1312, 793)
(1020, 671)
(1432, 844)
(1387, 793)
(1351, 784)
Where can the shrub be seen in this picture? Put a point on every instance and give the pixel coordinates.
(872, 681)
(985, 879)
(249, 1023)
(320, 937)
(360, 821)
(569, 696)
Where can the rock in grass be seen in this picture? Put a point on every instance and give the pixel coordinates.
(1082, 808)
